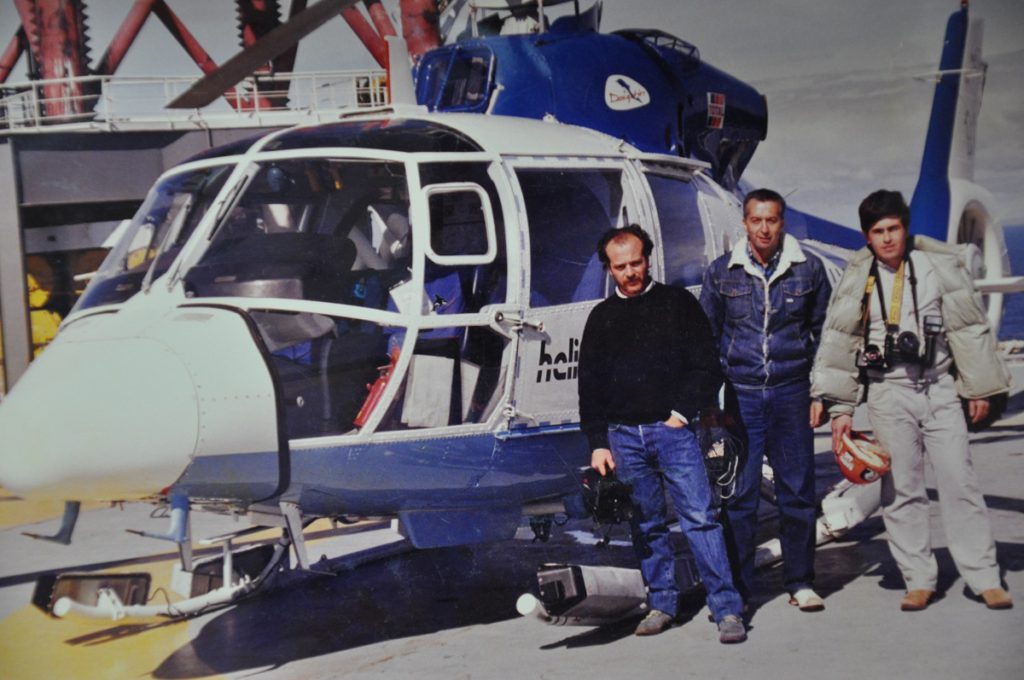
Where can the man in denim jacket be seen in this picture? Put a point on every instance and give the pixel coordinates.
(766, 302)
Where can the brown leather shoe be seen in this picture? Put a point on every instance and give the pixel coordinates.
(916, 600)
(996, 598)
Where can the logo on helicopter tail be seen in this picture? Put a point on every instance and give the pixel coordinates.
(622, 93)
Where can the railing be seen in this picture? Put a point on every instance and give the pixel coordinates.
(112, 102)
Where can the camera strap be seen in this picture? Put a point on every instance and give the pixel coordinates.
(892, 320)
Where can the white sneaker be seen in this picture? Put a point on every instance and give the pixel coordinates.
(807, 600)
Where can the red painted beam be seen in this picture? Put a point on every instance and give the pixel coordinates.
(125, 37)
(200, 56)
(366, 34)
(420, 26)
(12, 53)
(60, 51)
(26, 10)
(380, 19)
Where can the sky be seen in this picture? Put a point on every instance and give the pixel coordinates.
(846, 114)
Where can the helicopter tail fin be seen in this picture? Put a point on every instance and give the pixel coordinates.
(947, 203)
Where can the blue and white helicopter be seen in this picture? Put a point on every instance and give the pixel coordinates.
(381, 316)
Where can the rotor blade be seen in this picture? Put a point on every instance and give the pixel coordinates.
(213, 85)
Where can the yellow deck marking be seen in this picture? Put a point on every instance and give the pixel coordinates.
(34, 646)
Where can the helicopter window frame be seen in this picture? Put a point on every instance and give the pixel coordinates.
(168, 274)
(440, 88)
(634, 201)
(490, 233)
(672, 226)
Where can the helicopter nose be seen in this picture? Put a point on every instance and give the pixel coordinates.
(108, 419)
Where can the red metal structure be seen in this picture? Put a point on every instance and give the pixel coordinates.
(54, 34)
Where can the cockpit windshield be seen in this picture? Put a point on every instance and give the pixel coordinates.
(331, 230)
(155, 235)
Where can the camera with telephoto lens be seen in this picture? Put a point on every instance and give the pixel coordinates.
(902, 348)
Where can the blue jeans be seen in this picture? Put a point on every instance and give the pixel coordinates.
(652, 458)
(775, 420)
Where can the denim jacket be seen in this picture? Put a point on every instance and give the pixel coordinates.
(767, 331)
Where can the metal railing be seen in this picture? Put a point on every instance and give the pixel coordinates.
(114, 102)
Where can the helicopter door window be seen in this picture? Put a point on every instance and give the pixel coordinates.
(461, 224)
(568, 210)
(456, 371)
(682, 232)
(467, 232)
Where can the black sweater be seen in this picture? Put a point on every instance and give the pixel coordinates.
(642, 358)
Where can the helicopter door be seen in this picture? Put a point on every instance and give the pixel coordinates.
(459, 361)
(568, 208)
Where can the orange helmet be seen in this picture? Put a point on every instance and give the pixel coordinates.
(861, 459)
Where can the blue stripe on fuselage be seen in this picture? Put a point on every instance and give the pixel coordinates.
(432, 473)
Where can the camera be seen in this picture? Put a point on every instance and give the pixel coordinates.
(903, 347)
(871, 357)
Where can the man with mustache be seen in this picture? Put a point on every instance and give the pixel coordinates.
(646, 368)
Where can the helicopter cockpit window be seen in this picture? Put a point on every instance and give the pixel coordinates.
(159, 229)
(682, 232)
(568, 210)
(456, 78)
(330, 230)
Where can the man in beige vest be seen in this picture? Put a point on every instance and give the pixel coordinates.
(906, 326)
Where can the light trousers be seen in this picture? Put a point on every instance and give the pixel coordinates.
(922, 422)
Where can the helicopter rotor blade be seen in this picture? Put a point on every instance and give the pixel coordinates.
(213, 85)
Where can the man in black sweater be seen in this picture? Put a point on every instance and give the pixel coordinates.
(647, 366)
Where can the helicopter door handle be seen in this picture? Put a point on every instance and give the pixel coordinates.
(516, 323)
(510, 412)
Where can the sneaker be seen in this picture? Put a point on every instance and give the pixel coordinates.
(655, 622)
(807, 600)
(731, 630)
(996, 598)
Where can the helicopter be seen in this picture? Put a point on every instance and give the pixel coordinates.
(380, 317)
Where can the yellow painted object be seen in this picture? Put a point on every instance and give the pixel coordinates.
(45, 322)
(44, 329)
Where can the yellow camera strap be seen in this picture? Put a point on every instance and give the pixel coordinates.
(896, 302)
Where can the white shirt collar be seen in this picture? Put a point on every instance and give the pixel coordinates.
(791, 253)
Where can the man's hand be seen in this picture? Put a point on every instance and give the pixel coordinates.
(817, 413)
(841, 425)
(602, 461)
(977, 409)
